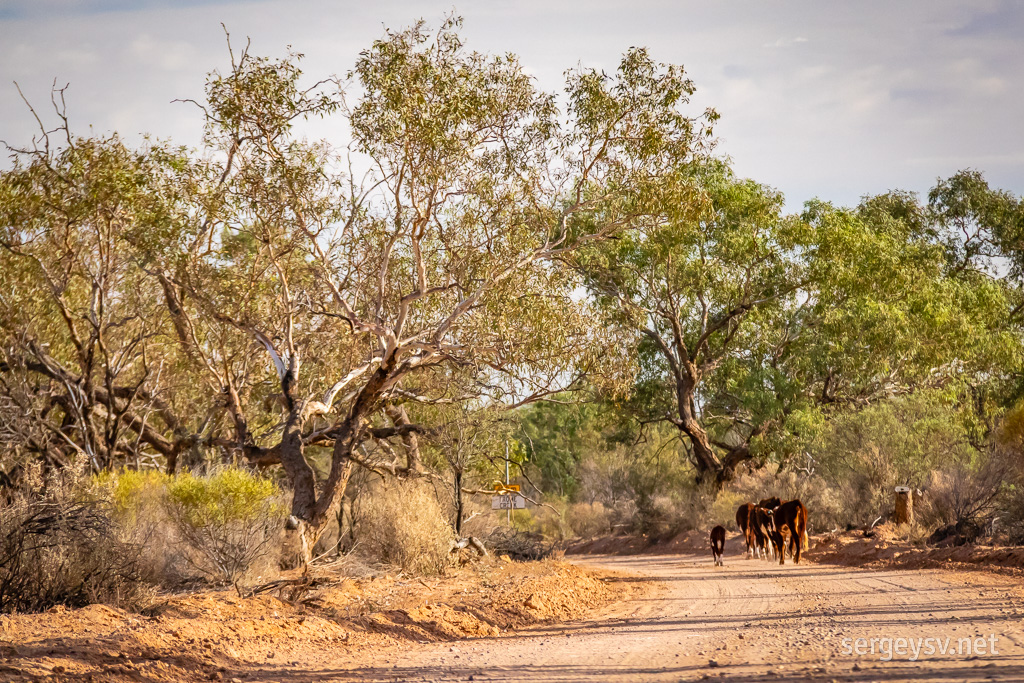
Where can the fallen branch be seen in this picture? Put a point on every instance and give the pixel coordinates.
(469, 541)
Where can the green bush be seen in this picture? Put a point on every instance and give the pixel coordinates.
(229, 520)
(136, 497)
(137, 501)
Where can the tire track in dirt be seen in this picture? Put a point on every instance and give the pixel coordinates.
(748, 621)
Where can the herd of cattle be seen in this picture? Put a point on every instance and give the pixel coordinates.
(762, 525)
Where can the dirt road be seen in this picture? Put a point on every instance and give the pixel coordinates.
(747, 621)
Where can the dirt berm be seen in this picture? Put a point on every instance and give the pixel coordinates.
(215, 635)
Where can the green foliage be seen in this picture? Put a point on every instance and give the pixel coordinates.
(977, 225)
(132, 493)
(229, 519)
(749, 326)
(896, 442)
(556, 437)
(605, 470)
(225, 497)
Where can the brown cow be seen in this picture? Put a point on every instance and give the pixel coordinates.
(793, 515)
(718, 544)
(743, 513)
(772, 534)
(762, 523)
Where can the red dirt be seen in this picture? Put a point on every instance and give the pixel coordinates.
(882, 549)
(217, 635)
(665, 617)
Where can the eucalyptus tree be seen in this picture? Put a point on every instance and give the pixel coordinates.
(308, 297)
(81, 358)
(979, 225)
(747, 322)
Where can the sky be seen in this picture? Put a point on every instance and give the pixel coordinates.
(834, 100)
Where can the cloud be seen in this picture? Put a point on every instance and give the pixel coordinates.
(43, 9)
(736, 71)
(984, 161)
(786, 42)
(166, 55)
(1006, 19)
(818, 99)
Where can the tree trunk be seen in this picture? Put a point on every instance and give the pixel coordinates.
(459, 503)
(400, 418)
(315, 512)
(708, 465)
(733, 458)
(710, 468)
(293, 460)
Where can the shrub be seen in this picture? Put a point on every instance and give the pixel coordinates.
(139, 511)
(518, 544)
(723, 510)
(683, 508)
(549, 520)
(964, 496)
(828, 506)
(403, 525)
(61, 548)
(588, 519)
(134, 494)
(229, 520)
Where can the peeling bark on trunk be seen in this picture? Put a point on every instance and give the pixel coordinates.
(315, 512)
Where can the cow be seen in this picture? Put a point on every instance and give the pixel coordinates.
(762, 523)
(773, 539)
(743, 513)
(793, 515)
(718, 544)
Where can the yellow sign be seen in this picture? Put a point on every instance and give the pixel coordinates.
(506, 487)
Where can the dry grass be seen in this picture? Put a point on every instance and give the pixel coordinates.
(588, 520)
(403, 525)
(60, 546)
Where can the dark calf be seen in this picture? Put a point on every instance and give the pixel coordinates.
(718, 544)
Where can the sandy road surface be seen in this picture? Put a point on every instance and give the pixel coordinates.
(748, 621)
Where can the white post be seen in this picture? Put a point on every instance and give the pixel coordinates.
(508, 512)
